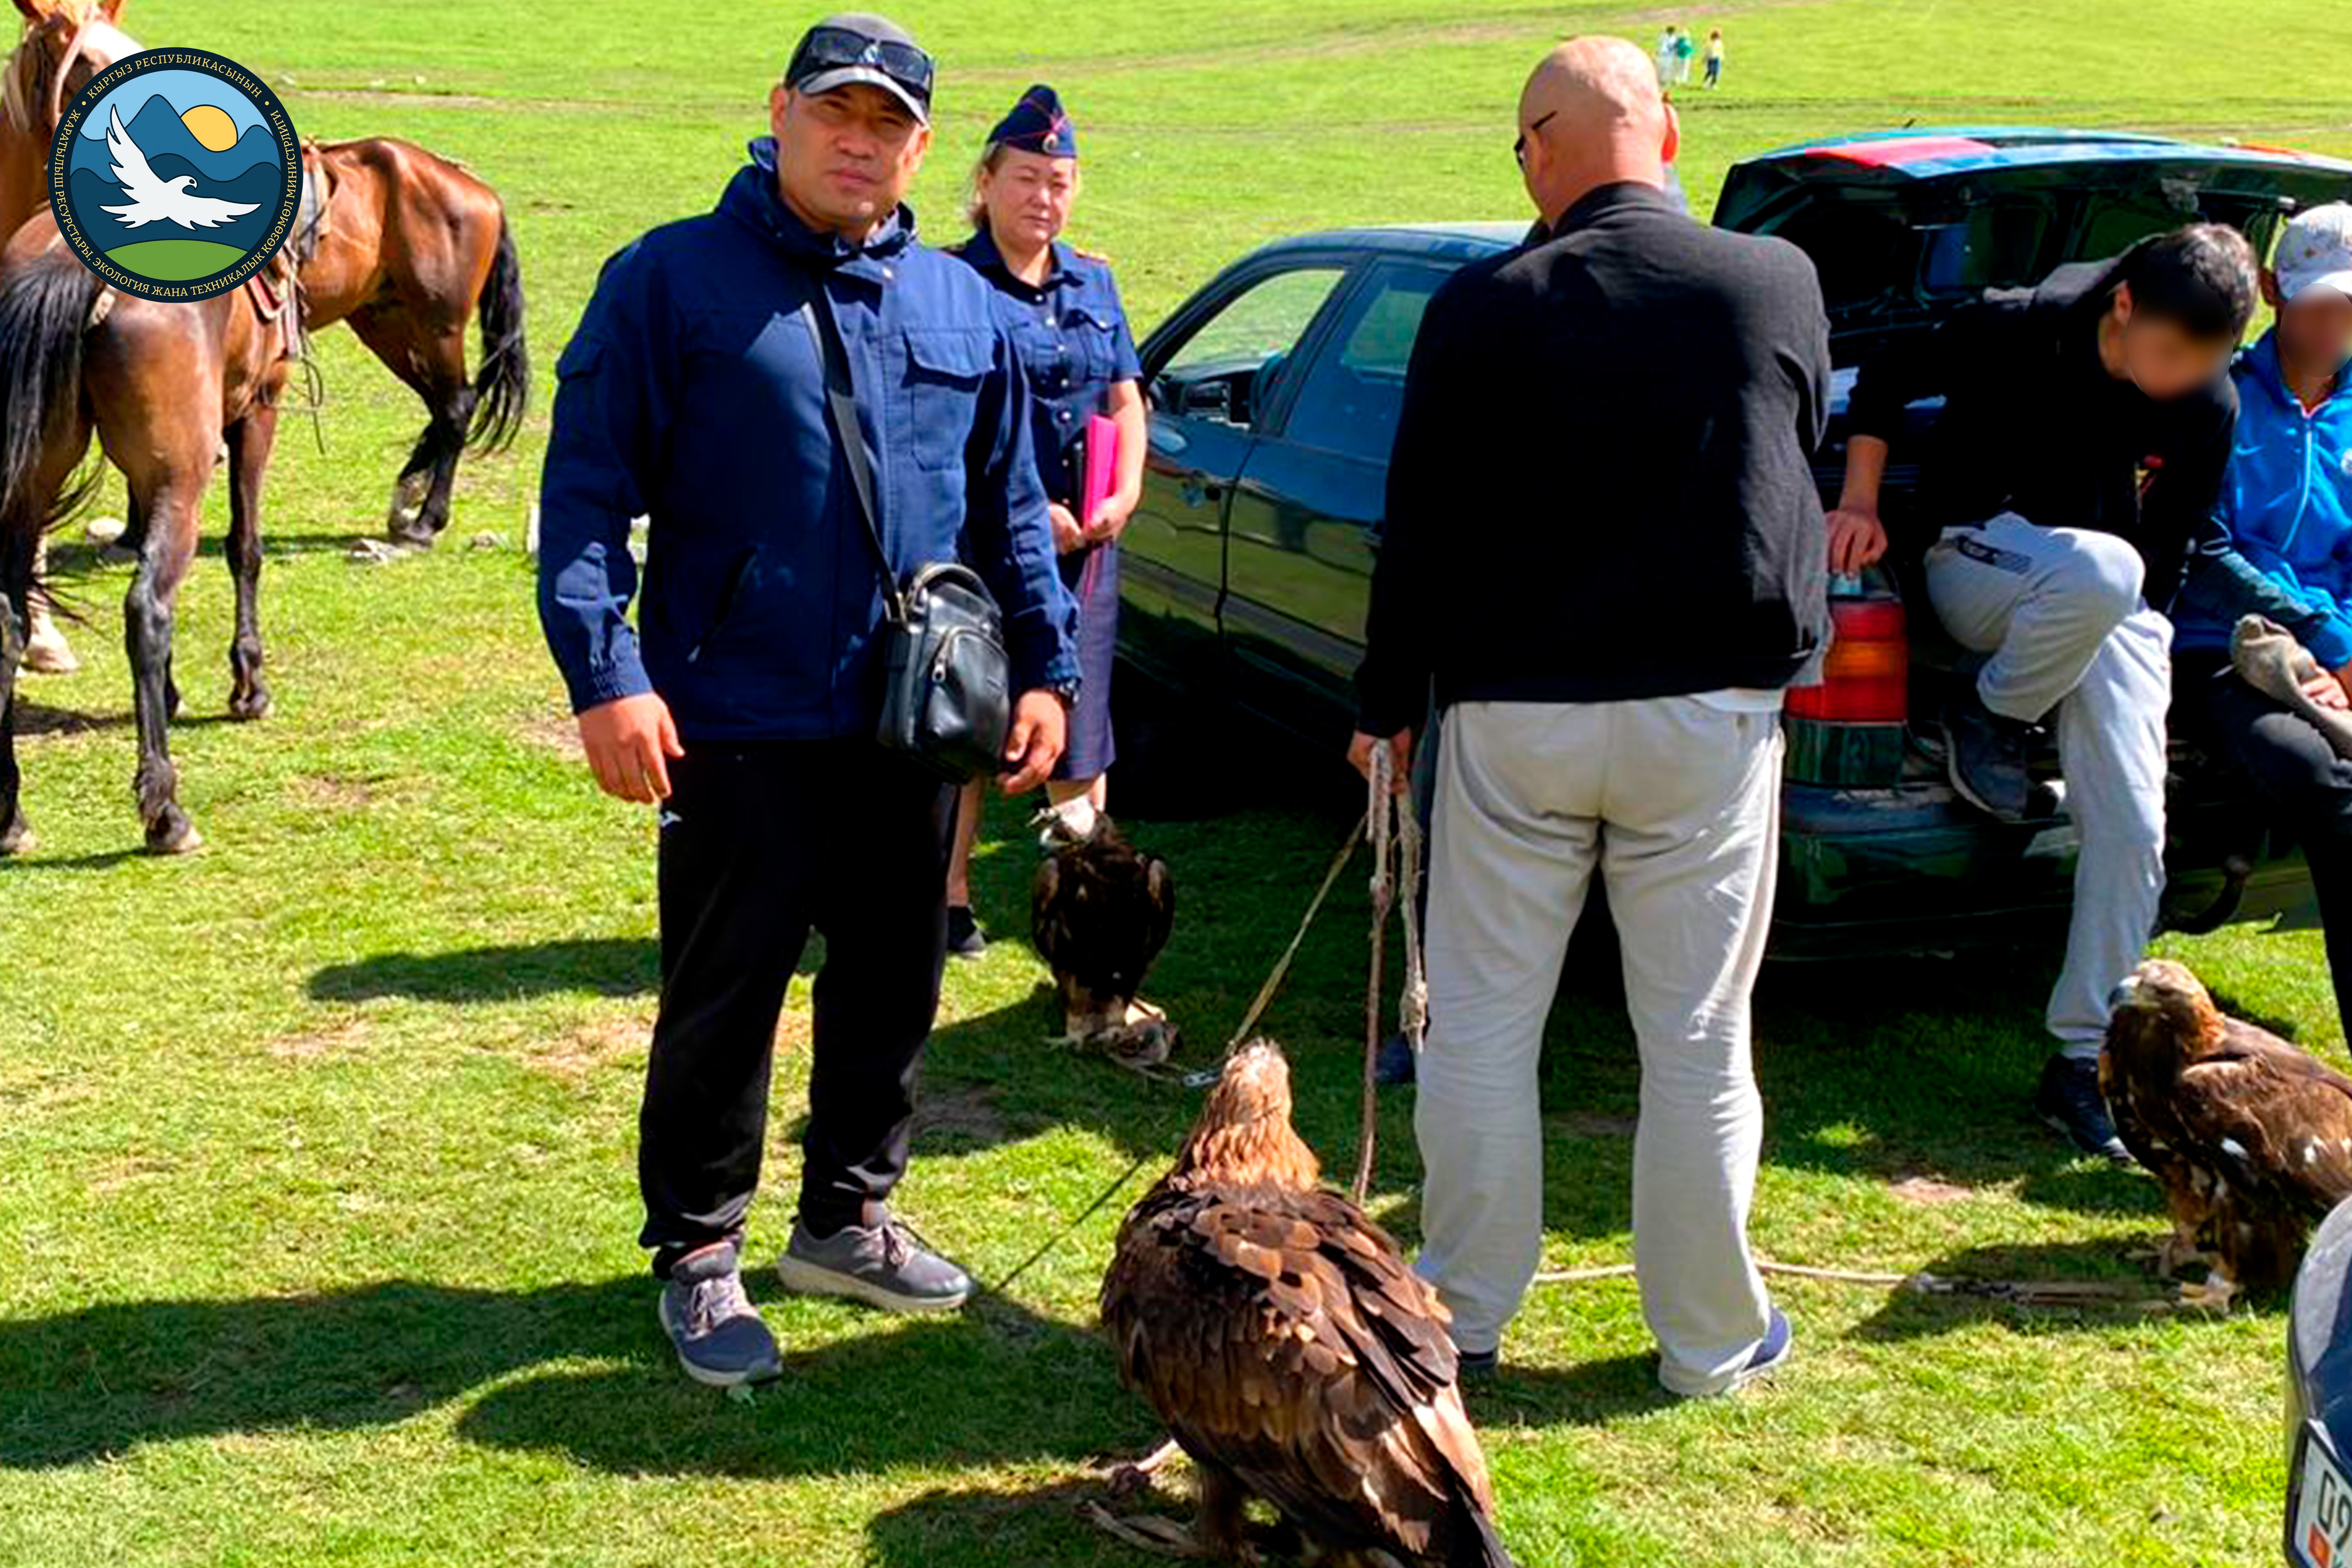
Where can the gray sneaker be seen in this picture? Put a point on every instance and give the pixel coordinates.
(719, 1338)
(885, 1264)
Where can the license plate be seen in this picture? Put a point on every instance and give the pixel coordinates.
(2320, 1535)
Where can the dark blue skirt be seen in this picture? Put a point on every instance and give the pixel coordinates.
(1092, 576)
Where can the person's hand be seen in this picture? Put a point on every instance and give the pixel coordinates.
(1109, 520)
(629, 741)
(1399, 745)
(2343, 680)
(1040, 729)
(1856, 539)
(1068, 534)
(2328, 691)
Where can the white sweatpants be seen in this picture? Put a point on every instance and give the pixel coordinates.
(2059, 610)
(1676, 803)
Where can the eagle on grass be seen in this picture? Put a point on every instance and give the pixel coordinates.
(1294, 1356)
(1099, 912)
(2249, 1136)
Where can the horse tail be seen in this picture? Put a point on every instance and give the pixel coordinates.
(45, 310)
(502, 386)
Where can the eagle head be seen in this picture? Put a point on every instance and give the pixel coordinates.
(1243, 1134)
(2164, 998)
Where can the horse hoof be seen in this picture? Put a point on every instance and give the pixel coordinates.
(247, 709)
(174, 835)
(16, 838)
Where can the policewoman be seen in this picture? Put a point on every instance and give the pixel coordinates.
(746, 697)
(1062, 310)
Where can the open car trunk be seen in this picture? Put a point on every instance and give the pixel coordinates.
(1905, 226)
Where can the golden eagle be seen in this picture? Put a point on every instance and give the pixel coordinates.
(1293, 1354)
(2249, 1136)
(1099, 912)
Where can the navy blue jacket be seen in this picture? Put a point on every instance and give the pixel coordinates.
(693, 393)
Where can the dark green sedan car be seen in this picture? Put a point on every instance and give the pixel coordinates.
(1275, 392)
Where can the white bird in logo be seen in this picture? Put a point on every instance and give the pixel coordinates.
(155, 200)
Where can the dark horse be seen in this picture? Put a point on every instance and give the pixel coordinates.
(404, 245)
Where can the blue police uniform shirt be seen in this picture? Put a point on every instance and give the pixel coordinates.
(1073, 341)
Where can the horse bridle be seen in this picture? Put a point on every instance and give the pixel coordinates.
(13, 96)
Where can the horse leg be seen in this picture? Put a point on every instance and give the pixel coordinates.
(16, 838)
(147, 612)
(45, 650)
(250, 441)
(432, 362)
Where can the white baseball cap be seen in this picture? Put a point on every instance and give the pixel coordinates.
(2317, 251)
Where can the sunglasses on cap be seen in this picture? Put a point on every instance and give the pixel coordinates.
(836, 48)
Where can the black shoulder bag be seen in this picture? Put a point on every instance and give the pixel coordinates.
(946, 683)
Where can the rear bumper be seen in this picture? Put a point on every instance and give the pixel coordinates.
(1913, 870)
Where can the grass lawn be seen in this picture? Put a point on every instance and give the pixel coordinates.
(317, 1193)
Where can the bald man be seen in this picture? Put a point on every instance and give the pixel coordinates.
(1603, 549)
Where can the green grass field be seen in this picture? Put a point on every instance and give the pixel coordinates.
(317, 1194)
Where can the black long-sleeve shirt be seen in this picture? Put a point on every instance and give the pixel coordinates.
(2033, 423)
(1601, 487)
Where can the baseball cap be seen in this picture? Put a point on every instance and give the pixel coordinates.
(853, 47)
(2317, 251)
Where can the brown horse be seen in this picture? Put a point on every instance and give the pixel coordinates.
(165, 386)
(162, 386)
(408, 248)
(404, 245)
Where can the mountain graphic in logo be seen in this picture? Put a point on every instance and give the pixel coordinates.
(176, 174)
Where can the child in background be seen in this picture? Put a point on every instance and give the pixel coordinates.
(1714, 56)
(1684, 48)
(1666, 54)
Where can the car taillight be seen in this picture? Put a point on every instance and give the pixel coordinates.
(1866, 678)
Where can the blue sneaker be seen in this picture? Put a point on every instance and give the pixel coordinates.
(716, 1330)
(1769, 1356)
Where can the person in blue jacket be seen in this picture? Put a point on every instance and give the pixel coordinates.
(1061, 308)
(746, 699)
(2283, 549)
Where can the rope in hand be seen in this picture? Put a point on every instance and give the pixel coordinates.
(1396, 859)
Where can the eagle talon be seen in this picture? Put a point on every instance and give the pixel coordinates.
(2213, 1296)
(1149, 1532)
(2170, 1255)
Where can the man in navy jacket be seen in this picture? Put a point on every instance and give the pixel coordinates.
(746, 699)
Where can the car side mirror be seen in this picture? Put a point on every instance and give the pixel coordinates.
(1211, 399)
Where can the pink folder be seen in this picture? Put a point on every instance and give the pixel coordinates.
(1102, 467)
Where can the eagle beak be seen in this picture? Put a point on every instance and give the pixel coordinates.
(2126, 995)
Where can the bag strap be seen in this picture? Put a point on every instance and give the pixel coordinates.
(841, 403)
